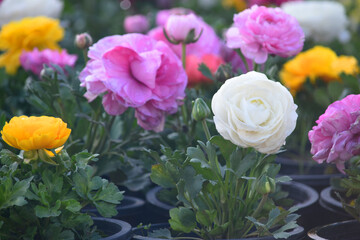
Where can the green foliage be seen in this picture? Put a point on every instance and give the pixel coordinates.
(219, 186)
(43, 201)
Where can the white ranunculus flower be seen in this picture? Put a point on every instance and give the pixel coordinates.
(252, 111)
(322, 21)
(13, 10)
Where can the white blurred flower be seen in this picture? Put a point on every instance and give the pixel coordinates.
(252, 111)
(322, 21)
(13, 10)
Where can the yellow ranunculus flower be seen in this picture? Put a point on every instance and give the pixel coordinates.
(35, 133)
(27, 34)
(239, 5)
(318, 62)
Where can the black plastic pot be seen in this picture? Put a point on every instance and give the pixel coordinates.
(333, 210)
(348, 230)
(113, 229)
(304, 196)
(130, 210)
(158, 210)
(141, 233)
(315, 177)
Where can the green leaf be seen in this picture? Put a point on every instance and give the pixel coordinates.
(53, 182)
(206, 217)
(83, 158)
(106, 209)
(160, 233)
(13, 194)
(335, 89)
(241, 166)
(321, 97)
(72, 205)
(283, 179)
(193, 182)
(160, 176)
(182, 219)
(110, 193)
(351, 82)
(200, 163)
(226, 147)
(66, 235)
(206, 71)
(43, 212)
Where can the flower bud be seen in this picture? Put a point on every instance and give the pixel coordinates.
(30, 155)
(47, 72)
(136, 24)
(265, 185)
(223, 73)
(200, 110)
(83, 41)
(183, 28)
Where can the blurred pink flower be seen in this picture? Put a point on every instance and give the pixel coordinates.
(208, 43)
(179, 26)
(336, 138)
(34, 60)
(269, 2)
(259, 31)
(163, 15)
(136, 71)
(136, 24)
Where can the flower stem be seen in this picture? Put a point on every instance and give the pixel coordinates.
(183, 54)
(206, 129)
(244, 60)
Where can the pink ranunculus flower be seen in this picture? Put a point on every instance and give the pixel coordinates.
(163, 15)
(259, 31)
(136, 24)
(269, 2)
(34, 60)
(336, 138)
(134, 70)
(208, 43)
(179, 26)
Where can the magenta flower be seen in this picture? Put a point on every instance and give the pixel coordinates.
(336, 138)
(136, 24)
(260, 31)
(134, 70)
(34, 60)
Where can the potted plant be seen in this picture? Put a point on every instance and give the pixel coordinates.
(44, 190)
(227, 185)
(335, 140)
(324, 78)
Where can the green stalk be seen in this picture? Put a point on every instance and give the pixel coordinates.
(206, 129)
(183, 54)
(243, 59)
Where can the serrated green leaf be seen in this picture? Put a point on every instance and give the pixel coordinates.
(106, 209)
(72, 205)
(193, 182)
(226, 147)
(160, 176)
(110, 193)
(43, 212)
(182, 219)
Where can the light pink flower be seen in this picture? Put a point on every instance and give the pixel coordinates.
(336, 138)
(163, 15)
(34, 60)
(208, 43)
(136, 24)
(134, 70)
(269, 2)
(179, 26)
(260, 31)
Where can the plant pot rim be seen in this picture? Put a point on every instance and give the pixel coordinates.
(295, 233)
(152, 198)
(312, 195)
(328, 202)
(313, 233)
(125, 232)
